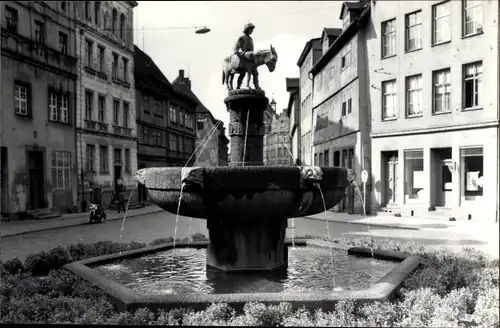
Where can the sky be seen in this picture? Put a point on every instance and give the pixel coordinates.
(165, 31)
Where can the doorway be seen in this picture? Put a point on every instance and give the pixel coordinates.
(441, 181)
(4, 179)
(143, 194)
(117, 174)
(390, 177)
(36, 179)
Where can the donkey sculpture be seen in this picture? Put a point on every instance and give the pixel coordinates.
(234, 64)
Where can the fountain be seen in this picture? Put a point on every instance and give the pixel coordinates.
(246, 206)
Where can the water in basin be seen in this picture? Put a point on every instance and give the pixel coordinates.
(309, 270)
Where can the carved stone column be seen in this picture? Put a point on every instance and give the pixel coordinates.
(243, 105)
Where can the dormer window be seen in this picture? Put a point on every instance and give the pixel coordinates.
(345, 20)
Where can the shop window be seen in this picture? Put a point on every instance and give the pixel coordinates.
(414, 174)
(471, 163)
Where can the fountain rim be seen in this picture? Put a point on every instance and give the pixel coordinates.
(383, 290)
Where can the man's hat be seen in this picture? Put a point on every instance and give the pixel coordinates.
(248, 26)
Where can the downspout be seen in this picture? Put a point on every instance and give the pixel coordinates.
(81, 201)
(311, 160)
(497, 216)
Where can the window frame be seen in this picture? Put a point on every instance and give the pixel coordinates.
(478, 29)
(436, 20)
(12, 22)
(409, 92)
(388, 36)
(393, 94)
(480, 88)
(89, 106)
(446, 85)
(116, 111)
(65, 167)
(63, 43)
(90, 160)
(417, 25)
(103, 159)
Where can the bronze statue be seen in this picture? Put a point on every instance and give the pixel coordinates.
(245, 61)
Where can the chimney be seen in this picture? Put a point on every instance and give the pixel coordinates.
(181, 73)
(184, 80)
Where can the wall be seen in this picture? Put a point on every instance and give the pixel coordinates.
(208, 151)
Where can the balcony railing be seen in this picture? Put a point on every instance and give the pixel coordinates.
(127, 131)
(89, 124)
(117, 129)
(102, 127)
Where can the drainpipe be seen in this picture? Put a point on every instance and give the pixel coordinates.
(310, 77)
(82, 197)
(498, 126)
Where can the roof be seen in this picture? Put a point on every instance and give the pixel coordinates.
(342, 39)
(352, 6)
(331, 31)
(305, 51)
(185, 90)
(147, 73)
(292, 84)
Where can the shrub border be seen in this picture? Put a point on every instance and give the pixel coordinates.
(126, 299)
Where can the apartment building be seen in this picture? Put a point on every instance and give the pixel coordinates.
(339, 101)
(269, 117)
(278, 142)
(308, 58)
(211, 140)
(434, 94)
(293, 112)
(38, 81)
(106, 127)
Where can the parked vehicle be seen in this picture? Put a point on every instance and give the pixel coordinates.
(97, 213)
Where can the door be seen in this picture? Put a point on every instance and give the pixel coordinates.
(392, 180)
(117, 174)
(445, 185)
(142, 190)
(4, 179)
(35, 180)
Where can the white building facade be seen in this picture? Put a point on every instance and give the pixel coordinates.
(106, 125)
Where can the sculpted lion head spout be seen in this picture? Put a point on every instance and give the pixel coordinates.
(271, 59)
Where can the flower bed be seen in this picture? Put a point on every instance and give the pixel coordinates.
(450, 289)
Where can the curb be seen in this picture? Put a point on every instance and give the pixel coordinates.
(73, 224)
(382, 225)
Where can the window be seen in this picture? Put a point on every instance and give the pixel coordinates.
(58, 107)
(125, 69)
(101, 58)
(87, 10)
(116, 111)
(88, 53)
(183, 118)
(21, 98)
(389, 100)
(11, 16)
(472, 17)
(117, 156)
(90, 152)
(473, 85)
(389, 38)
(126, 108)
(441, 22)
(442, 91)
(316, 159)
(346, 102)
(101, 104)
(471, 164)
(97, 12)
(63, 43)
(63, 6)
(327, 158)
(346, 56)
(414, 95)
(414, 31)
(61, 169)
(115, 19)
(414, 170)
(89, 104)
(173, 142)
(104, 159)
(122, 26)
(128, 164)
(173, 115)
(199, 124)
(39, 32)
(115, 66)
(145, 136)
(336, 158)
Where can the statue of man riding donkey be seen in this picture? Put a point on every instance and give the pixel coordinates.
(245, 61)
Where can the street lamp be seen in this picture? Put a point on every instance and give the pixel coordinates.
(273, 105)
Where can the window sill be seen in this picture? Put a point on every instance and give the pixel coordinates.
(389, 119)
(440, 43)
(25, 116)
(471, 109)
(414, 116)
(412, 50)
(471, 35)
(62, 123)
(441, 113)
(389, 56)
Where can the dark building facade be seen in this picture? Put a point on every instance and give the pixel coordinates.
(37, 106)
(165, 119)
(211, 145)
(293, 112)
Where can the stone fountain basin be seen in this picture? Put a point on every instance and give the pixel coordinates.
(243, 192)
(126, 299)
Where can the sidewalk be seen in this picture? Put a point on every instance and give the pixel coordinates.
(13, 228)
(385, 221)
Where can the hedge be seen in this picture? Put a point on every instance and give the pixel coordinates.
(449, 290)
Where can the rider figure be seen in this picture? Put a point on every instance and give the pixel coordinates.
(244, 46)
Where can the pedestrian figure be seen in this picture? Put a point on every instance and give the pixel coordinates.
(120, 190)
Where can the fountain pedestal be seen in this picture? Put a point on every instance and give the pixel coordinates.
(247, 246)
